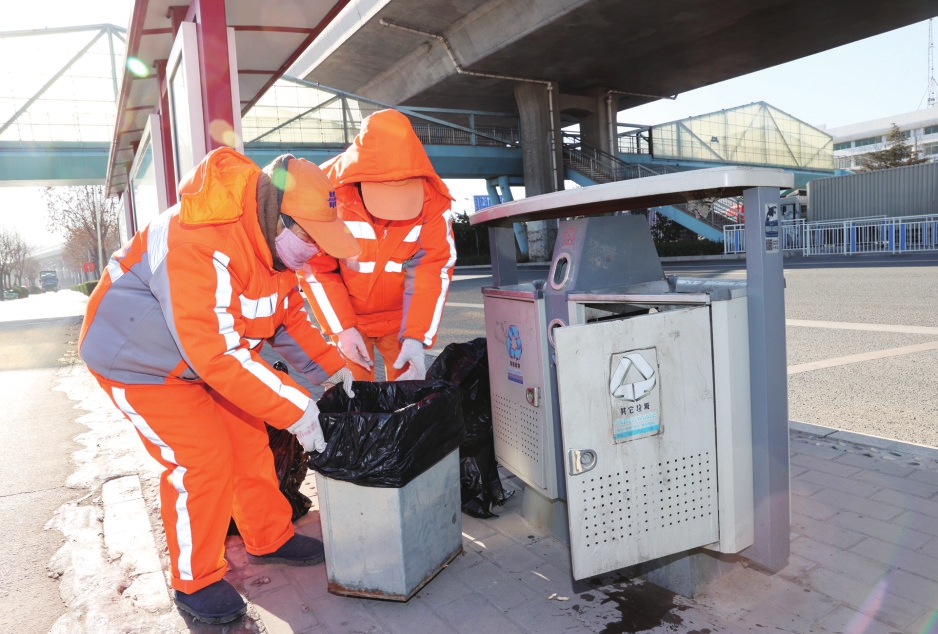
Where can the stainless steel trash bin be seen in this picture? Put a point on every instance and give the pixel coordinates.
(387, 543)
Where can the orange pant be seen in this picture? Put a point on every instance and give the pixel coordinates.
(389, 346)
(218, 465)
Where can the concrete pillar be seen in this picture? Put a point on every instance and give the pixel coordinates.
(542, 152)
(599, 128)
(492, 191)
(521, 234)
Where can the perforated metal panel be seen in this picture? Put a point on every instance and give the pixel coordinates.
(519, 429)
(630, 502)
(633, 503)
(525, 442)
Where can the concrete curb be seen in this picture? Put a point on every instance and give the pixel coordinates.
(697, 258)
(521, 265)
(884, 444)
(129, 539)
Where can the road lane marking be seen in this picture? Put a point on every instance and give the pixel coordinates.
(837, 325)
(846, 325)
(463, 278)
(863, 356)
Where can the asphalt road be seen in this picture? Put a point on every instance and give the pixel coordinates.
(871, 320)
(36, 431)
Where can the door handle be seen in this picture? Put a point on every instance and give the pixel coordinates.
(581, 460)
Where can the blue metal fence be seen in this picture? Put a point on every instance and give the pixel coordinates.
(848, 237)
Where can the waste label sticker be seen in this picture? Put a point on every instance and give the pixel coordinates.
(513, 343)
(569, 236)
(771, 228)
(634, 394)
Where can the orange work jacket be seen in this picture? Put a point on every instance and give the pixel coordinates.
(400, 281)
(192, 297)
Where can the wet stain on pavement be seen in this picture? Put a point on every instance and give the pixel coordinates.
(642, 606)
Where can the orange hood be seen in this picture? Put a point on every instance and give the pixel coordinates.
(221, 189)
(214, 191)
(386, 149)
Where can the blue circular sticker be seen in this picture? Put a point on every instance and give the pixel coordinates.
(513, 343)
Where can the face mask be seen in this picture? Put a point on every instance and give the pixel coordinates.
(293, 251)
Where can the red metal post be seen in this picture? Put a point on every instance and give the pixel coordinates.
(166, 135)
(211, 20)
(177, 14)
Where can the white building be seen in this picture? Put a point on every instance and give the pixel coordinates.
(920, 129)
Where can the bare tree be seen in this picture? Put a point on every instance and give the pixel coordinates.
(12, 246)
(31, 272)
(18, 265)
(75, 214)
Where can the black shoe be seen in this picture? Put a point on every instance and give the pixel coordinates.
(215, 603)
(299, 550)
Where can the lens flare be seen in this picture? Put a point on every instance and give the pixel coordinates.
(222, 132)
(137, 68)
(282, 179)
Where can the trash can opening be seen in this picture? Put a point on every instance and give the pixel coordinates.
(390, 433)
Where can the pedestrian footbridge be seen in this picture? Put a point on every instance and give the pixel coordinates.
(58, 122)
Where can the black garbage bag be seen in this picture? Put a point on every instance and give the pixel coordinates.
(467, 365)
(390, 433)
(291, 465)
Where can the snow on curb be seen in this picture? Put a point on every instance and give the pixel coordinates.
(106, 587)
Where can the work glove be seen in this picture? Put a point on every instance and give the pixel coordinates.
(308, 431)
(353, 347)
(344, 376)
(412, 353)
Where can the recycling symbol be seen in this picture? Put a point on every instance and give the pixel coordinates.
(513, 343)
(639, 389)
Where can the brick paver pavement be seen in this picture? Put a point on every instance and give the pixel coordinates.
(864, 559)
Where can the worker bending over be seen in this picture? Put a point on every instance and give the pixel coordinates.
(391, 297)
(172, 333)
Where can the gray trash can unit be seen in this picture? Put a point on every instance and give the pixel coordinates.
(646, 414)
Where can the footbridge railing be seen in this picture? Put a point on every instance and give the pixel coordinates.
(906, 234)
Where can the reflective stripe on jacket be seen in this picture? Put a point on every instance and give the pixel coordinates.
(192, 296)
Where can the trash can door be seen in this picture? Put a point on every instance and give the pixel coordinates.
(639, 438)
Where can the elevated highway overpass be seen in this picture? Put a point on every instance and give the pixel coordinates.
(471, 54)
(595, 57)
(557, 62)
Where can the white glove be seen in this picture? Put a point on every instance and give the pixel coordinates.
(307, 429)
(353, 347)
(412, 353)
(344, 376)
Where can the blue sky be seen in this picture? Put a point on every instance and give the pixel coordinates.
(873, 78)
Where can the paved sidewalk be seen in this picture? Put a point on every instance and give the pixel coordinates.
(864, 560)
